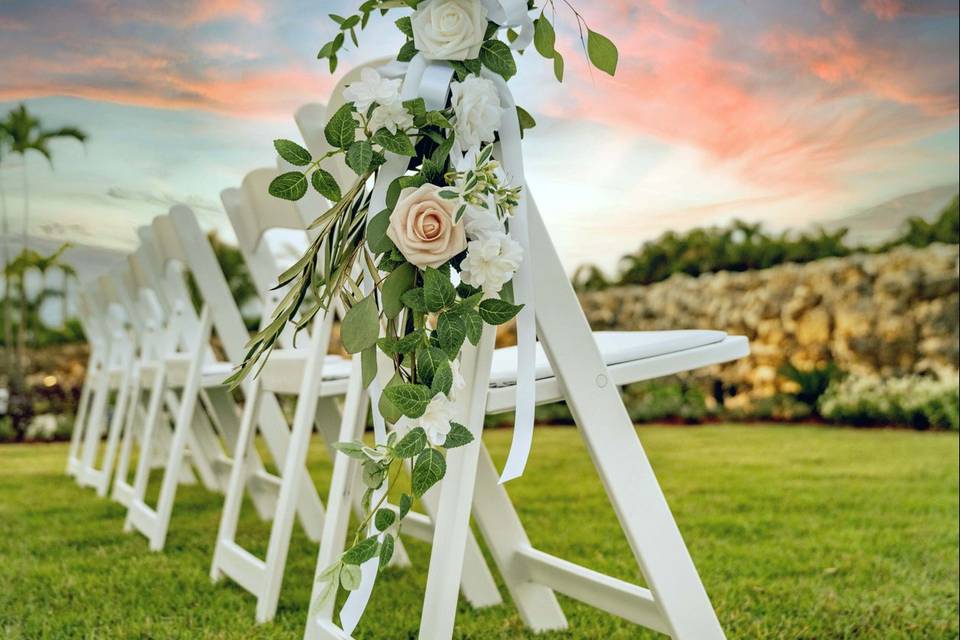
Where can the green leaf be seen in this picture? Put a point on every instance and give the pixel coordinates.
(411, 444)
(326, 185)
(428, 471)
(407, 51)
(289, 186)
(526, 120)
(374, 474)
(377, 233)
(558, 66)
(496, 312)
(410, 399)
(405, 25)
(414, 300)
(418, 108)
(459, 436)
(398, 142)
(410, 342)
(438, 291)
(544, 37)
(428, 360)
(361, 326)
(352, 449)
(394, 286)
(368, 365)
(386, 551)
(384, 518)
(442, 379)
(292, 152)
(362, 551)
(387, 409)
(360, 156)
(603, 53)
(473, 324)
(406, 502)
(496, 56)
(350, 577)
(452, 331)
(342, 128)
(437, 119)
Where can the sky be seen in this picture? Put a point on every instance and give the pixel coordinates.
(777, 111)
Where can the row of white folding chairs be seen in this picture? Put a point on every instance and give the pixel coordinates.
(174, 355)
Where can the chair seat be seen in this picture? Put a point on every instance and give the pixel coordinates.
(616, 347)
(282, 374)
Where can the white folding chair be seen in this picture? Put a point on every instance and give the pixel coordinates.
(96, 374)
(253, 212)
(143, 294)
(112, 385)
(586, 370)
(184, 243)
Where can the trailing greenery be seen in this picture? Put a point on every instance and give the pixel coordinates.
(745, 246)
(797, 532)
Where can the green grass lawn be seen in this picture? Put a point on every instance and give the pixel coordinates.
(798, 532)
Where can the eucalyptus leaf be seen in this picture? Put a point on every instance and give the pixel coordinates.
(387, 409)
(352, 449)
(603, 53)
(398, 282)
(544, 37)
(377, 233)
(368, 365)
(361, 326)
(350, 577)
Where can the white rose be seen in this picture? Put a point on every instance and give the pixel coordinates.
(372, 88)
(491, 262)
(449, 29)
(477, 105)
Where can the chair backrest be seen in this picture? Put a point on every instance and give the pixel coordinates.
(181, 235)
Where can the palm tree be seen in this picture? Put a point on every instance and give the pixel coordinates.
(25, 135)
(23, 132)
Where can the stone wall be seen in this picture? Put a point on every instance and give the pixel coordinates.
(889, 314)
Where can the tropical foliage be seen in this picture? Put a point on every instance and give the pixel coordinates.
(746, 246)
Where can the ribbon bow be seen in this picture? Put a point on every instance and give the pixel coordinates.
(512, 14)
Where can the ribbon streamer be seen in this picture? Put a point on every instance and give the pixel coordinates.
(512, 14)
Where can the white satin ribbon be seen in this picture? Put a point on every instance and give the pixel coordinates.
(512, 13)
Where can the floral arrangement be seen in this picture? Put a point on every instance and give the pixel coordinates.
(423, 276)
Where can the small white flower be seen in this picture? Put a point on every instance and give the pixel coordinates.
(491, 262)
(392, 116)
(449, 29)
(372, 87)
(436, 420)
(481, 223)
(459, 384)
(476, 103)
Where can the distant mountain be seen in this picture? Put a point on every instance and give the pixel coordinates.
(89, 261)
(882, 222)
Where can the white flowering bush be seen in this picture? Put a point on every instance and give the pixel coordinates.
(920, 402)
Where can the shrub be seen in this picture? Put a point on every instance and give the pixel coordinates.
(920, 402)
(658, 400)
(811, 384)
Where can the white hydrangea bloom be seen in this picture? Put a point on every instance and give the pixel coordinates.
(491, 262)
(392, 117)
(481, 223)
(476, 103)
(436, 420)
(372, 87)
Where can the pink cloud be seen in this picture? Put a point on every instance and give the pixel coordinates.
(884, 9)
(180, 13)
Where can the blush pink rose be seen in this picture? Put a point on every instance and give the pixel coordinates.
(423, 228)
